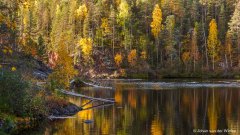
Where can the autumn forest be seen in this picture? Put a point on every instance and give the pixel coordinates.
(48, 44)
(181, 36)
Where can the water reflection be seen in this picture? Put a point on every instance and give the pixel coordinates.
(156, 112)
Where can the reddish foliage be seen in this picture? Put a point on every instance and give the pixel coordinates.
(52, 59)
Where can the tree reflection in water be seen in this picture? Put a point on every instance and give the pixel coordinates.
(154, 111)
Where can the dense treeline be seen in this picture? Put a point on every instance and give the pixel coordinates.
(188, 36)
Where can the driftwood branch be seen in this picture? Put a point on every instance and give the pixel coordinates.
(86, 97)
(60, 117)
(94, 85)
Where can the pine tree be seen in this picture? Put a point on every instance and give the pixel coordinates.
(123, 17)
(170, 41)
(234, 25)
(56, 31)
(222, 23)
(228, 49)
(112, 19)
(194, 46)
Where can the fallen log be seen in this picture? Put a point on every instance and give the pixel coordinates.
(60, 117)
(86, 97)
(92, 84)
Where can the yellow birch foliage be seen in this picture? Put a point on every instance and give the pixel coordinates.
(64, 70)
(156, 23)
(144, 55)
(26, 11)
(82, 11)
(124, 10)
(105, 26)
(118, 59)
(13, 69)
(86, 46)
(186, 57)
(132, 57)
(213, 42)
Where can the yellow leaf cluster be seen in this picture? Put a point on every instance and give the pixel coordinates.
(156, 24)
(132, 57)
(118, 59)
(82, 11)
(144, 55)
(7, 50)
(105, 26)
(13, 69)
(86, 46)
(26, 5)
(58, 10)
(124, 10)
(186, 57)
(10, 24)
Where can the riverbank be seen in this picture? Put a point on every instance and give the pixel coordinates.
(24, 94)
(8, 123)
(27, 81)
(175, 74)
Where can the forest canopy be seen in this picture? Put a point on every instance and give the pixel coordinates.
(167, 35)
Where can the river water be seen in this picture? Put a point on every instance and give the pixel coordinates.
(175, 107)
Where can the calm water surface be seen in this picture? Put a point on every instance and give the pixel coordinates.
(156, 108)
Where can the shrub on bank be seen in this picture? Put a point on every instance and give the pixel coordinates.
(17, 97)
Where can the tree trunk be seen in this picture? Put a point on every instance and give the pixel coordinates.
(238, 45)
(161, 58)
(102, 42)
(204, 35)
(194, 64)
(213, 63)
(231, 63)
(157, 50)
(113, 40)
(124, 27)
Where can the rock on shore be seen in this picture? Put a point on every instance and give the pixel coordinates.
(66, 110)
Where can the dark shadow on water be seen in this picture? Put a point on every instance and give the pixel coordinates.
(154, 111)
